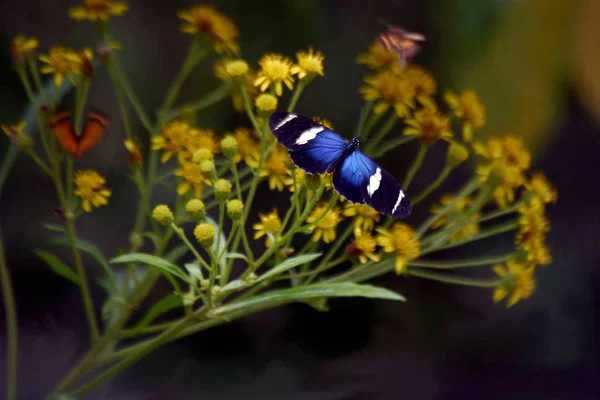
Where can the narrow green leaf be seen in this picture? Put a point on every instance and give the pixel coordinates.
(234, 285)
(154, 261)
(320, 290)
(176, 253)
(54, 227)
(167, 303)
(222, 241)
(288, 264)
(236, 255)
(85, 247)
(59, 267)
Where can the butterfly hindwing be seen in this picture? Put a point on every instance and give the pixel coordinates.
(361, 180)
(62, 126)
(313, 148)
(93, 132)
(91, 135)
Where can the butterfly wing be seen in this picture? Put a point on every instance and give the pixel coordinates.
(313, 148)
(360, 180)
(62, 126)
(93, 132)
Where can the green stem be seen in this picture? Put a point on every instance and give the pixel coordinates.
(496, 230)
(250, 113)
(433, 186)
(338, 243)
(81, 97)
(370, 124)
(502, 212)
(383, 131)
(476, 262)
(12, 346)
(40, 163)
(120, 93)
(130, 93)
(380, 152)
(35, 73)
(296, 96)
(456, 280)
(69, 181)
(181, 234)
(415, 166)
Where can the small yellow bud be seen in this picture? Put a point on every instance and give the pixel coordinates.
(235, 208)
(236, 68)
(401, 263)
(205, 233)
(207, 167)
(457, 154)
(222, 189)
(202, 155)
(195, 209)
(162, 214)
(266, 103)
(229, 146)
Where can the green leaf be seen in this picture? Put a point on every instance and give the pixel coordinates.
(236, 255)
(222, 241)
(87, 248)
(158, 262)
(320, 290)
(57, 265)
(167, 303)
(176, 253)
(54, 227)
(289, 264)
(234, 285)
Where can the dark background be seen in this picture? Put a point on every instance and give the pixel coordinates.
(535, 63)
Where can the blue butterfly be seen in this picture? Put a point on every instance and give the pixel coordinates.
(318, 150)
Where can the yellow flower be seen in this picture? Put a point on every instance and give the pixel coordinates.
(325, 122)
(276, 71)
(388, 89)
(228, 69)
(402, 240)
(202, 19)
(94, 10)
(518, 282)
(192, 178)
(275, 167)
(378, 57)
(205, 234)
(309, 64)
(542, 188)
(248, 148)
(364, 216)
(135, 153)
(471, 226)
(22, 46)
(269, 223)
(201, 139)
(531, 237)
(300, 179)
(469, 107)
(428, 125)
(508, 160)
(89, 187)
(363, 247)
(424, 83)
(65, 62)
(174, 137)
(324, 226)
(226, 72)
(266, 103)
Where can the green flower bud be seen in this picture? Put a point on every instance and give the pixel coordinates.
(457, 154)
(162, 214)
(205, 234)
(207, 167)
(195, 209)
(201, 155)
(229, 146)
(222, 189)
(235, 208)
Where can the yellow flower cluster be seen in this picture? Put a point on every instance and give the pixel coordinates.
(178, 137)
(98, 10)
(518, 282)
(205, 20)
(471, 226)
(402, 240)
(507, 160)
(468, 107)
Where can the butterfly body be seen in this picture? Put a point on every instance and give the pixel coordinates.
(318, 150)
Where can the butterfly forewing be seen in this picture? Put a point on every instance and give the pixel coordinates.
(313, 148)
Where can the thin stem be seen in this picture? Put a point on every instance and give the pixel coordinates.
(296, 96)
(40, 163)
(81, 96)
(12, 345)
(181, 234)
(122, 102)
(476, 262)
(249, 112)
(387, 146)
(383, 131)
(130, 93)
(69, 180)
(433, 186)
(456, 280)
(338, 243)
(209, 99)
(502, 212)
(415, 165)
(35, 73)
